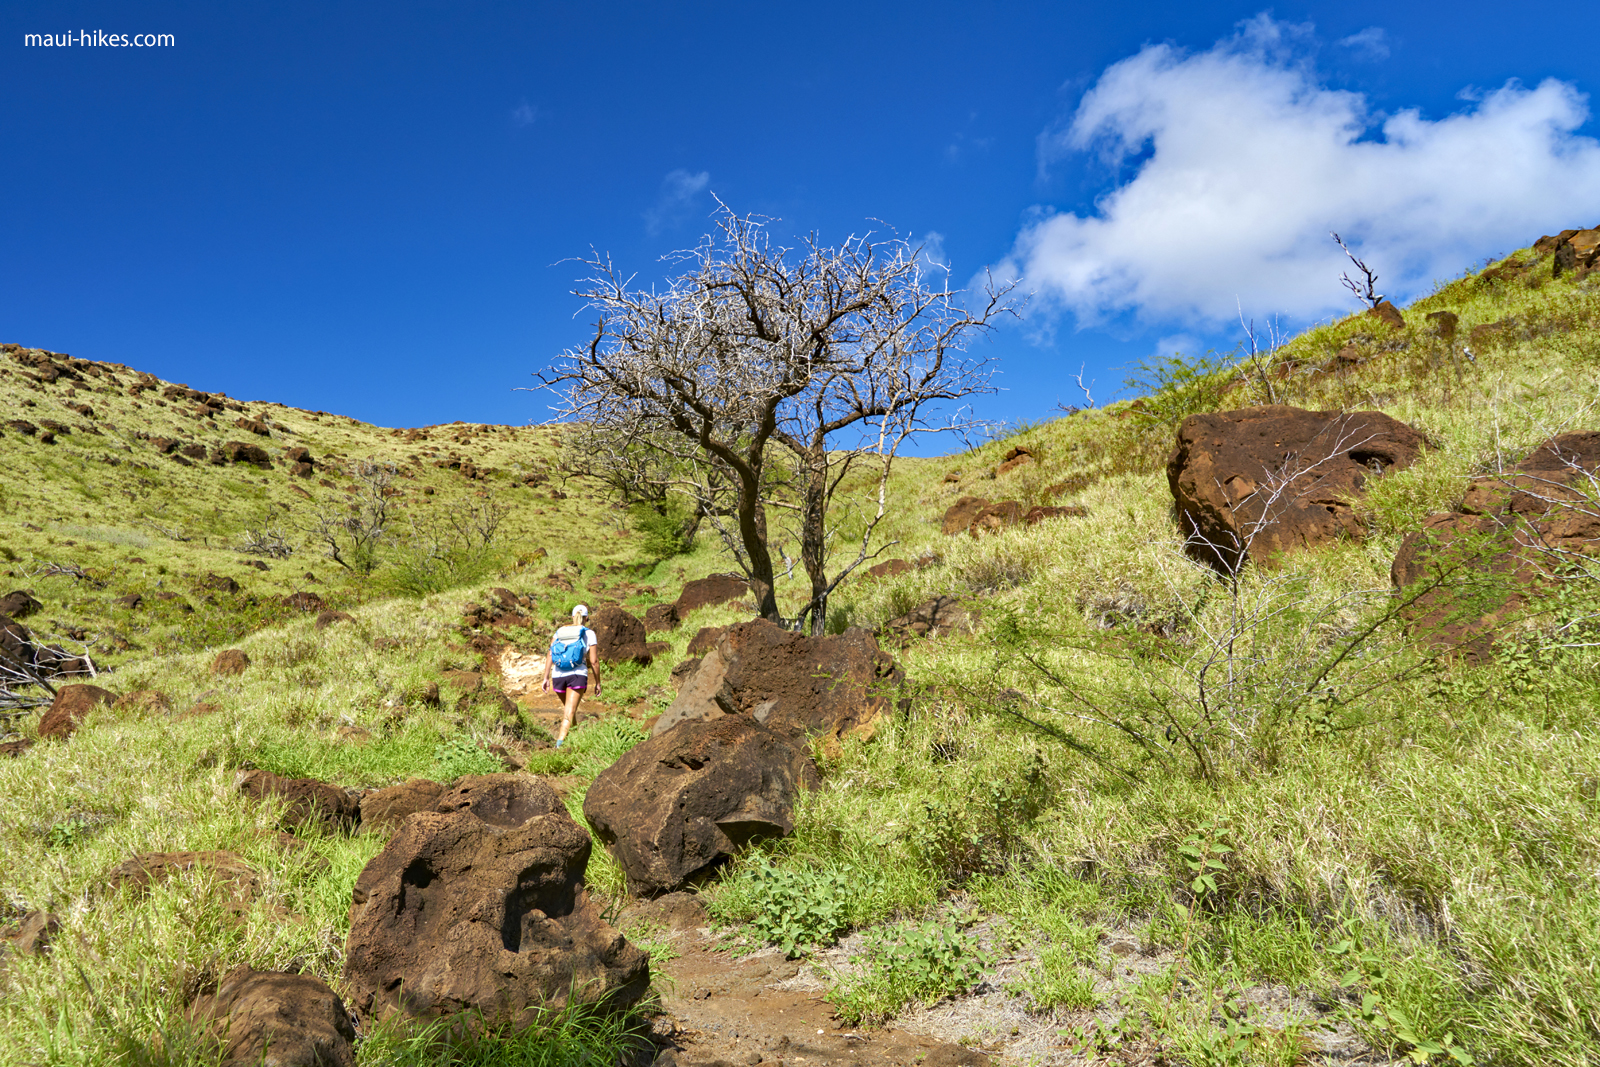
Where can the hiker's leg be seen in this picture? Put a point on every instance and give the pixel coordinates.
(569, 713)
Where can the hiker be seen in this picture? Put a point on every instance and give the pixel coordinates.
(568, 667)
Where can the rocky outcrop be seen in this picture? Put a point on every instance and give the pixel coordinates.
(1258, 482)
(274, 1019)
(889, 568)
(659, 617)
(941, 615)
(794, 684)
(19, 604)
(681, 802)
(383, 810)
(480, 907)
(619, 637)
(958, 516)
(72, 705)
(709, 592)
(230, 661)
(231, 876)
(305, 800)
(1470, 573)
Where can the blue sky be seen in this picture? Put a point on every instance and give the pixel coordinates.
(364, 208)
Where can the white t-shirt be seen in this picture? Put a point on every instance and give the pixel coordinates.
(570, 633)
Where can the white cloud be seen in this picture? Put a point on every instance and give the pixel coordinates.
(1371, 43)
(524, 114)
(678, 190)
(931, 251)
(1244, 162)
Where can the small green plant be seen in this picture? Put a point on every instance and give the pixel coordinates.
(917, 962)
(1378, 1013)
(1200, 854)
(1059, 981)
(460, 755)
(667, 528)
(1176, 387)
(797, 909)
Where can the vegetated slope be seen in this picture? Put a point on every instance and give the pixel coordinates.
(1412, 856)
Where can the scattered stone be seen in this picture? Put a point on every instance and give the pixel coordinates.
(231, 873)
(1040, 512)
(240, 452)
(683, 671)
(305, 800)
(230, 661)
(797, 685)
(221, 583)
(1444, 323)
(328, 618)
(176, 601)
(466, 681)
(383, 810)
(888, 568)
(13, 749)
(705, 639)
(685, 800)
(19, 604)
(303, 601)
(659, 617)
(130, 601)
(72, 705)
(1513, 532)
(276, 1019)
(619, 637)
(941, 615)
(33, 934)
(1388, 314)
(480, 907)
(255, 426)
(958, 517)
(1257, 482)
(709, 592)
(996, 517)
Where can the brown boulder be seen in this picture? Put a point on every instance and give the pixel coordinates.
(72, 705)
(305, 800)
(466, 681)
(792, 683)
(19, 604)
(996, 517)
(33, 933)
(888, 568)
(303, 601)
(684, 671)
(274, 1019)
(1258, 482)
(131, 601)
(386, 809)
(482, 908)
(1388, 314)
(709, 592)
(1445, 322)
(328, 618)
(230, 661)
(1040, 512)
(705, 639)
(658, 617)
(220, 582)
(230, 872)
(240, 452)
(941, 615)
(683, 801)
(1479, 566)
(13, 749)
(959, 516)
(619, 637)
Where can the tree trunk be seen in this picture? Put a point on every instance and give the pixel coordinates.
(753, 532)
(813, 535)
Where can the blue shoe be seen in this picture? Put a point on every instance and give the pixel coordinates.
(558, 743)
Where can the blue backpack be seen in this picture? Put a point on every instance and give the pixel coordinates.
(568, 655)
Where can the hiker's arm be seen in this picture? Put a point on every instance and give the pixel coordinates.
(594, 669)
(549, 664)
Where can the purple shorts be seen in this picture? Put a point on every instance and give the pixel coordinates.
(578, 682)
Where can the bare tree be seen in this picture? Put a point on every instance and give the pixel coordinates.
(1366, 290)
(835, 355)
(350, 532)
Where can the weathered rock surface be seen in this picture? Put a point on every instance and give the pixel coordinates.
(958, 516)
(480, 906)
(941, 615)
(1479, 565)
(19, 604)
(328, 618)
(230, 661)
(1258, 482)
(659, 617)
(33, 933)
(235, 878)
(705, 639)
(709, 592)
(889, 568)
(383, 810)
(304, 800)
(72, 705)
(683, 801)
(274, 1019)
(619, 637)
(792, 683)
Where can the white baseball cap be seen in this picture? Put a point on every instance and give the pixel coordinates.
(581, 609)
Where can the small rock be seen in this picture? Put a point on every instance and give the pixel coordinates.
(328, 618)
(34, 933)
(277, 1019)
(230, 661)
(72, 705)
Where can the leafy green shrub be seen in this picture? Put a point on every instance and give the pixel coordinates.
(794, 908)
(916, 962)
(667, 529)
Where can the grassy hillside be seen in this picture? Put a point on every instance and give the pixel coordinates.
(1410, 859)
